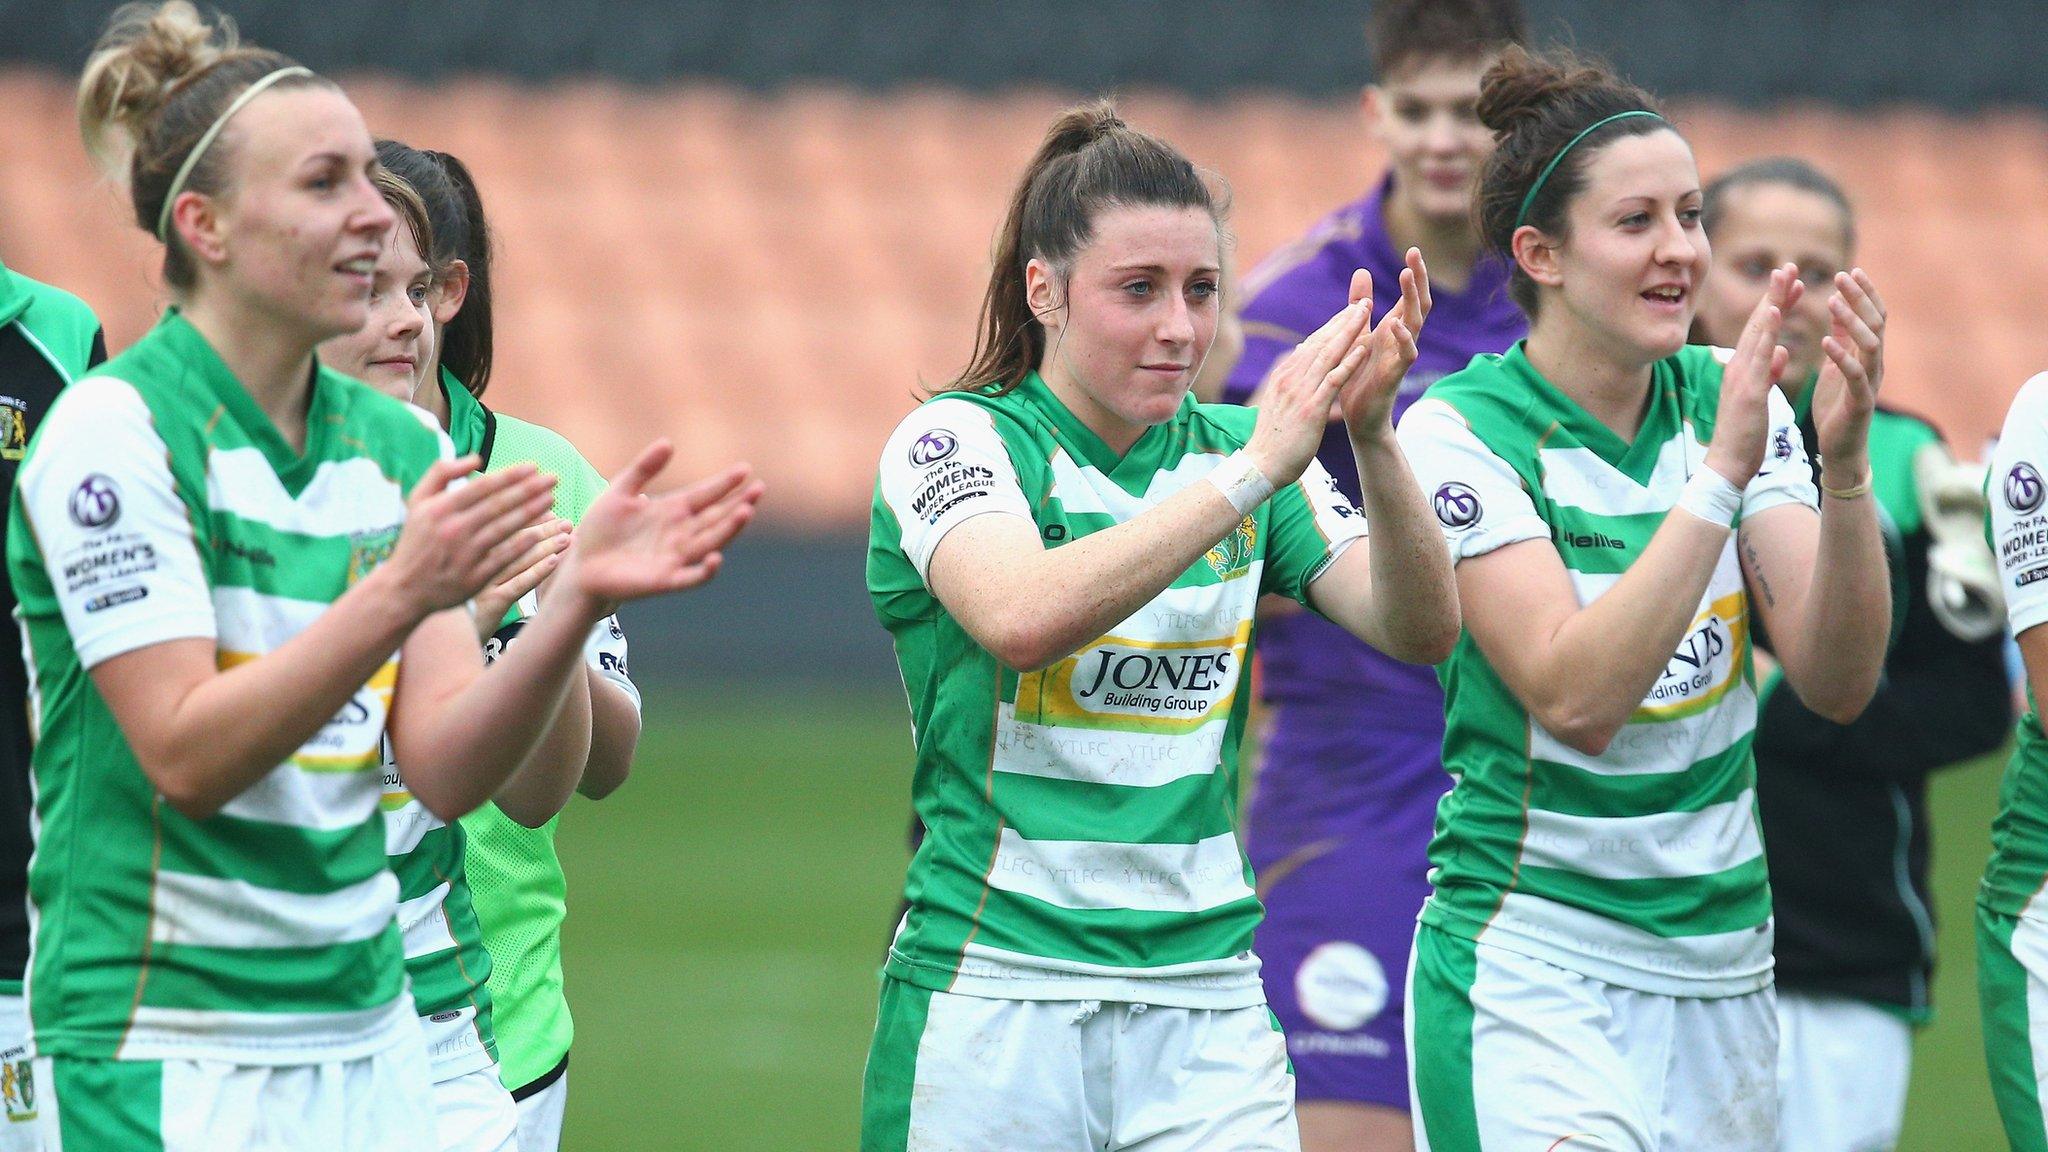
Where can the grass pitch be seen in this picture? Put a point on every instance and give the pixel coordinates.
(729, 908)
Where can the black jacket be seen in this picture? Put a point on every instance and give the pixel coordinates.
(46, 338)
(1844, 806)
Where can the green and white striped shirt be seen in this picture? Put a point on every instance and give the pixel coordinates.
(2017, 875)
(1081, 820)
(1642, 866)
(158, 503)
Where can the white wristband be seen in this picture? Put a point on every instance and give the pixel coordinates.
(1709, 496)
(1241, 483)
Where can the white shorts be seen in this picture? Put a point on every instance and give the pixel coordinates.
(964, 1072)
(380, 1103)
(1508, 1053)
(474, 1113)
(540, 1116)
(18, 1132)
(1843, 1066)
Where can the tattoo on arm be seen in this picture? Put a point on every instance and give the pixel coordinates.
(1756, 571)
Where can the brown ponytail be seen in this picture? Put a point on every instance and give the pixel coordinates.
(156, 81)
(1535, 106)
(1090, 160)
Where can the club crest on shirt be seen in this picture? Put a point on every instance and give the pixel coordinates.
(13, 427)
(366, 550)
(1233, 554)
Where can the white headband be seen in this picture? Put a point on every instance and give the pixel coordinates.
(163, 218)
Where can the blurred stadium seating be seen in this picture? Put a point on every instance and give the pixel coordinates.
(772, 276)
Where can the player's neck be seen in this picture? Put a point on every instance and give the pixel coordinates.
(272, 363)
(1450, 246)
(1115, 432)
(1613, 390)
(433, 397)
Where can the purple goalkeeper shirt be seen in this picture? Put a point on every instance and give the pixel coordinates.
(1306, 659)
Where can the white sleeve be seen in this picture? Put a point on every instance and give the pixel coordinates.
(1477, 497)
(1341, 522)
(2019, 506)
(114, 535)
(946, 464)
(606, 652)
(1786, 477)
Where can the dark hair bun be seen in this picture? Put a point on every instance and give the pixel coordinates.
(1519, 88)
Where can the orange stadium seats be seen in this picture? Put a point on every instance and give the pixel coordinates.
(770, 277)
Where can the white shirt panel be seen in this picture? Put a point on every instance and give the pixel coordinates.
(115, 537)
(944, 465)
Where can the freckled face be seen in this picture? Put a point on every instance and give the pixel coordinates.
(1139, 312)
(393, 350)
(301, 226)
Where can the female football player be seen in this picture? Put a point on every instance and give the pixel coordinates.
(1594, 961)
(239, 572)
(1067, 549)
(1844, 806)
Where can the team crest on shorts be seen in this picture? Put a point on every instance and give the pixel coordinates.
(18, 1088)
(13, 427)
(366, 550)
(1233, 554)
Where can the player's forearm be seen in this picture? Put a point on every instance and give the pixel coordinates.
(1034, 607)
(1413, 610)
(552, 771)
(482, 733)
(1594, 671)
(1845, 613)
(235, 726)
(614, 736)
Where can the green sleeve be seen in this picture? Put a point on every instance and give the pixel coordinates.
(64, 326)
(1894, 440)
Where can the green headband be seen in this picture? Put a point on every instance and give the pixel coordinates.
(1543, 177)
(163, 217)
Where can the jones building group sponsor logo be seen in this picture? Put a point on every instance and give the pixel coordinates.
(1707, 660)
(933, 446)
(1457, 505)
(1130, 678)
(96, 502)
(2023, 488)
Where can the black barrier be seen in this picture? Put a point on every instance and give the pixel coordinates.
(786, 607)
(1957, 55)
